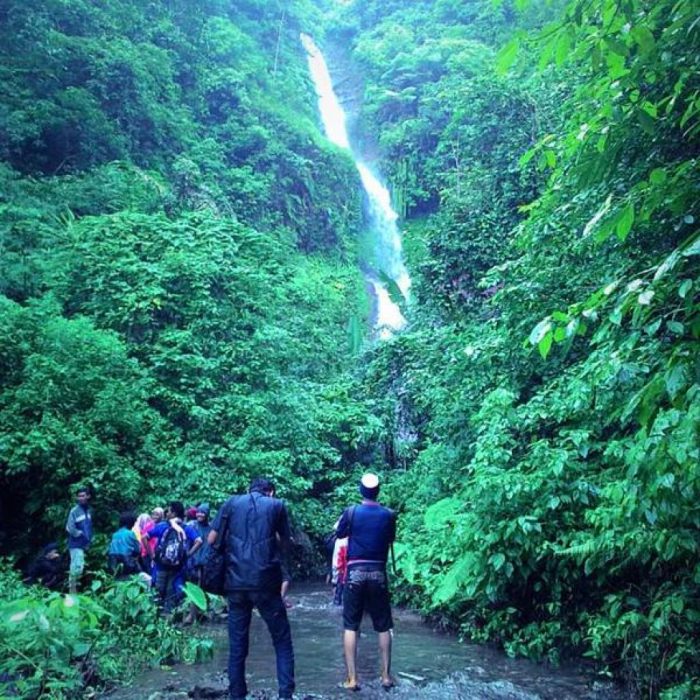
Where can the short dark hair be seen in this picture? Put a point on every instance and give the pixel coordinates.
(261, 485)
(177, 508)
(83, 489)
(127, 519)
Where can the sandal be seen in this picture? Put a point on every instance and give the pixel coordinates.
(388, 685)
(349, 685)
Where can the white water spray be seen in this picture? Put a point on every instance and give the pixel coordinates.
(382, 218)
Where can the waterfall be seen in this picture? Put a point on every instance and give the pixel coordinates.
(387, 269)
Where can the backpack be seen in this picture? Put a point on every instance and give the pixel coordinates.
(171, 552)
(213, 577)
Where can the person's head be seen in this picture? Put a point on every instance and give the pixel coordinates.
(202, 512)
(157, 514)
(127, 519)
(369, 486)
(191, 513)
(143, 521)
(176, 510)
(50, 551)
(261, 485)
(83, 495)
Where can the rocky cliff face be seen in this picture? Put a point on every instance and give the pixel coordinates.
(349, 86)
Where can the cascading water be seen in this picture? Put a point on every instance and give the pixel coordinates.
(388, 268)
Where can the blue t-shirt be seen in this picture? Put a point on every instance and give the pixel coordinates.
(371, 528)
(124, 543)
(159, 530)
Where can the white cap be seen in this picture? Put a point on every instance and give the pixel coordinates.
(369, 486)
(370, 481)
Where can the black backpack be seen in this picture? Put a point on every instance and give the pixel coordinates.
(213, 578)
(171, 552)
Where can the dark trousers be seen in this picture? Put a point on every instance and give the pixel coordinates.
(168, 585)
(273, 611)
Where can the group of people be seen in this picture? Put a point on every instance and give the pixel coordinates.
(252, 531)
(164, 548)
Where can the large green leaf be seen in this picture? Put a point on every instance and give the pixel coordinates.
(195, 595)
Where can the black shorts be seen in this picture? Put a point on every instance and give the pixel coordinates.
(367, 591)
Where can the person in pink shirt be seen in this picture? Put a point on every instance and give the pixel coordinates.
(143, 525)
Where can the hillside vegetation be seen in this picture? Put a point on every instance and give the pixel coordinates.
(178, 259)
(182, 305)
(546, 160)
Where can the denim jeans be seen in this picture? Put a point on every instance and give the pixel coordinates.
(274, 613)
(169, 584)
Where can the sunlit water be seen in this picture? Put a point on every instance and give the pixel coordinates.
(382, 218)
(428, 665)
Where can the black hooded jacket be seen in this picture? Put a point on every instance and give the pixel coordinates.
(47, 571)
(253, 527)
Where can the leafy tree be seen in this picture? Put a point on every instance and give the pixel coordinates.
(549, 375)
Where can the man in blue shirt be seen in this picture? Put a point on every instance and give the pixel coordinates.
(79, 529)
(172, 535)
(371, 530)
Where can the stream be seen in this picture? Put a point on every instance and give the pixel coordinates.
(427, 664)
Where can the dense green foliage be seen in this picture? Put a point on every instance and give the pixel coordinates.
(177, 268)
(182, 306)
(55, 646)
(177, 279)
(548, 386)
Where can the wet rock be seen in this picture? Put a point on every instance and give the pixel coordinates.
(472, 671)
(269, 695)
(411, 676)
(207, 692)
(459, 686)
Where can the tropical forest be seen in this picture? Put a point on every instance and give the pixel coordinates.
(453, 243)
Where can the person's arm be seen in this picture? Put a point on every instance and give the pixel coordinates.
(218, 525)
(71, 527)
(194, 539)
(283, 529)
(154, 533)
(135, 546)
(343, 529)
(284, 535)
(340, 544)
(392, 531)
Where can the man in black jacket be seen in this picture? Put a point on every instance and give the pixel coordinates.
(254, 527)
